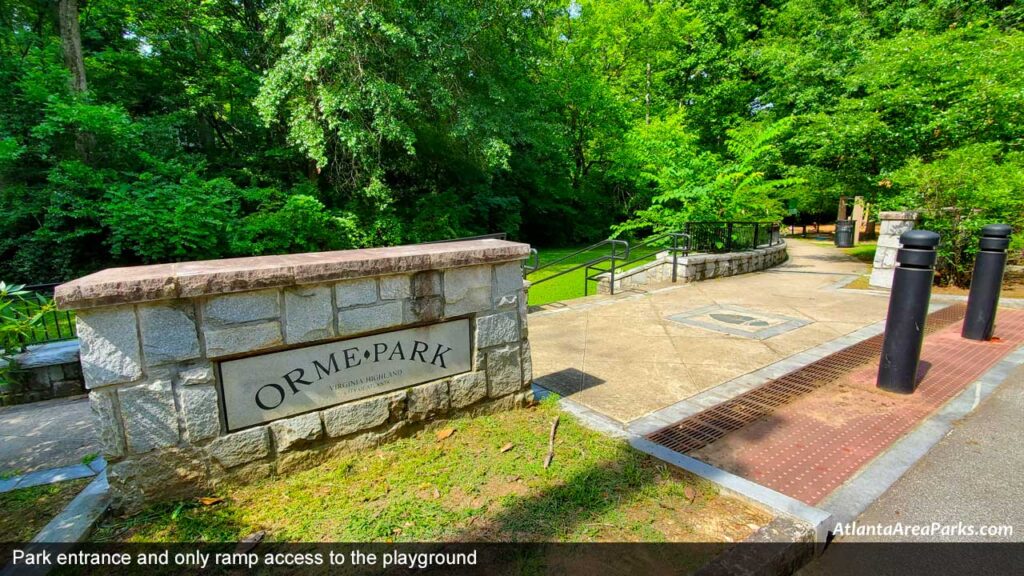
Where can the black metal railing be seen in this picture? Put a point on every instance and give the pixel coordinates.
(675, 243)
(53, 326)
(719, 237)
(612, 251)
(610, 259)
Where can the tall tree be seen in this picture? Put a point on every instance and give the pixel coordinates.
(71, 42)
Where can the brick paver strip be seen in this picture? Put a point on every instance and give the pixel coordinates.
(808, 448)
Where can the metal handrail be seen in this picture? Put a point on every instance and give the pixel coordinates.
(731, 222)
(674, 249)
(45, 289)
(594, 268)
(613, 255)
(594, 265)
(55, 325)
(675, 236)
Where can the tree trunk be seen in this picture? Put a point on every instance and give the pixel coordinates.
(647, 96)
(71, 41)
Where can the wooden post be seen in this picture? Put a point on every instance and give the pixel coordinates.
(841, 213)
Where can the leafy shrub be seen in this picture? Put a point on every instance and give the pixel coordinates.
(745, 185)
(300, 224)
(159, 219)
(959, 193)
(20, 312)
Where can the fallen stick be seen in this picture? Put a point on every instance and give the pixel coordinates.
(551, 444)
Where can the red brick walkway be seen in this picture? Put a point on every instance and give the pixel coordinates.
(810, 447)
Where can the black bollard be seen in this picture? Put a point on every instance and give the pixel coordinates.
(908, 308)
(986, 281)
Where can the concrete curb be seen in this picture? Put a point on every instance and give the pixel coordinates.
(804, 530)
(820, 521)
(732, 388)
(796, 534)
(782, 546)
(77, 520)
(844, 505)
(71, 526)
(52, 475)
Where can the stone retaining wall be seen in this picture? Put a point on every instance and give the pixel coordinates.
(694, 268)
(151, 363)
(43, 372)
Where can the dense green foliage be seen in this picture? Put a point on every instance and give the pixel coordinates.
(20, 313)
(236, 127)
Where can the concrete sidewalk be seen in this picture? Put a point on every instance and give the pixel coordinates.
(46, 434)
(633, 354)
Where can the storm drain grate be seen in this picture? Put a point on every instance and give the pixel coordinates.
(704, 428)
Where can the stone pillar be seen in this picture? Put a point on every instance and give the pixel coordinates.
(230, 370)
(857, 217)
(893, 225)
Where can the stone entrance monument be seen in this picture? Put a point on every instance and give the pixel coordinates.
(893, 224)
(201, 372)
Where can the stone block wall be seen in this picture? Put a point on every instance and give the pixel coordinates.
(44, 372)
(695, 268)
(152, 371)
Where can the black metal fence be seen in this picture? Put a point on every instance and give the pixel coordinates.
(720, 237)
(54, 325)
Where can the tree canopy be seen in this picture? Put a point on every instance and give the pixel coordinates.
(154, 131)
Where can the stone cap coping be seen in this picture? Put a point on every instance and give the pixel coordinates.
(49, 354)
(119, 286)
(897, 215)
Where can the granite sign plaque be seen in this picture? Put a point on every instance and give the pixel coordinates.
(267, 387)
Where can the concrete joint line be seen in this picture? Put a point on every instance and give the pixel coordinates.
(888, 467)
(746, 382)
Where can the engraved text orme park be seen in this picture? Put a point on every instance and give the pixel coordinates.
(272, 395)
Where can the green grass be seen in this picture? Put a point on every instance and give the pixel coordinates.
(464, 488)
(570, 285)
(864, 251)
(23, 513)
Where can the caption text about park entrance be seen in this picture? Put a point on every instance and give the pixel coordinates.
(201, 559)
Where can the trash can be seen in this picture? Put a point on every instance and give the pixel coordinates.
(844, 233)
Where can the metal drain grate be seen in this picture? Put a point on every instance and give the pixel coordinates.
(704, 428)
